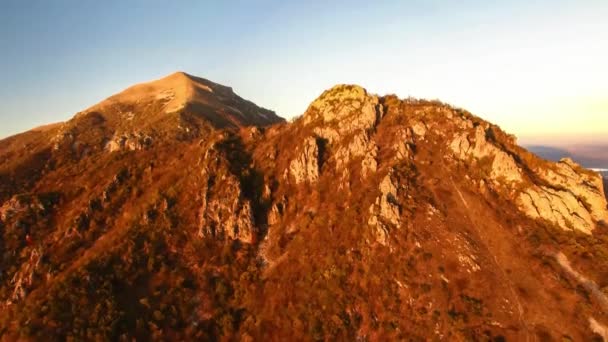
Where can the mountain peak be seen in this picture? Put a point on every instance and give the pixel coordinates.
(179, 74)
(348, 106)
(176, 90)
(341, 93)
(183, 93)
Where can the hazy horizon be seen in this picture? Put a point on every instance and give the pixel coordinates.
(537, 70)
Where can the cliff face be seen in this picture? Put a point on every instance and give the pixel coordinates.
(177, 210)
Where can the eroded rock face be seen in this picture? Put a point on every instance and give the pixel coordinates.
(503, 166)
(559, 207)
(228, 214)
(567, 196)
(402, 145)
(305, 168)
(585, 186)
(572, 199)
(348, 107)
(361, 146)
(385, 212)
(224, 212)
(327, 133)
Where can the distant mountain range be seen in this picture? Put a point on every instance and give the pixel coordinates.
(590, 156)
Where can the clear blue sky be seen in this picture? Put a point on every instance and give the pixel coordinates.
(537, 68)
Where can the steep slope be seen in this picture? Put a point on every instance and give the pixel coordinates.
(367, 218)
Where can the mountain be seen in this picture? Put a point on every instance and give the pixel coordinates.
(178, 211)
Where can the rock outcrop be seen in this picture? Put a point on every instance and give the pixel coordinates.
(131, 141)
(572, 198)
(346, 108)
(228, 215)
(503, 166)
(385, 212)
(225, 212)
(585, 185)
(559, 207)
(305, 168)
(402, 145)
(564, 194)
(360, 146)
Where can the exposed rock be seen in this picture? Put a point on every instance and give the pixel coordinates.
(385, 210)
(586, 186)
(598, 328)
(359, 146)
(131, 141)
(228, 216)
(402, 145)
(419, 128)
(466, 254)
(369, 163)
(328, 133)
(380, 231)
(224, 211)
(591, 286)
(574, 200)
(460, 145)
(349, 107)
(503, 165)
(559, 207)
(305, 168)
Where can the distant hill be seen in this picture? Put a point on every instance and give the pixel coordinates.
(590, 156)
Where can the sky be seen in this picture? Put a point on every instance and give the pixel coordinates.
(539, 69)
